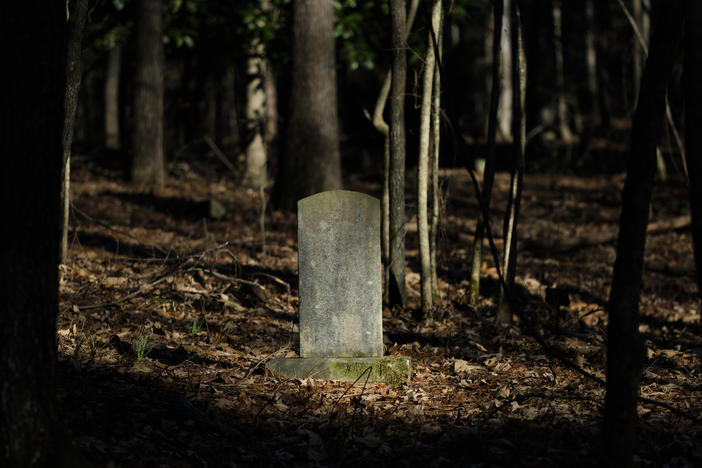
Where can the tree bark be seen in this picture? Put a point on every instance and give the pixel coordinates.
(397, 290)
(561, 105)
(504, 113)
(436, 140)
(384, 129)
(423, 163)
(692, 77)
(624, 345)
(77, 16)
(591, 61)
(112, 75)
(489, 172)
(312, 163)
(148, 161)
(256, 156)
(227, 119)
(31, 123)
(504, 309)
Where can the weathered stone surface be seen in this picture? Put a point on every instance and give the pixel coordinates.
(341, 326)
(340, 275)
(390, 369)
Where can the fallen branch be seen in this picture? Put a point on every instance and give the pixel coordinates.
(141, 290)
(231, 279)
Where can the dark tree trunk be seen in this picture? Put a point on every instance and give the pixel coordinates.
(692, 88)
(78, 14)
(489, 172)
(397, 290)
(112, 75)
(32, 108)
(312, 162)
(624, 346)
(504, 309)
(148, 166)
(227, 119)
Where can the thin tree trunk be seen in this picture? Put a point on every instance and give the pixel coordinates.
(423, 165)
(114, 64)
(504, 112)
(693, 122)
(77, 16)
(382, 127)
(489, 58)
(271, 129)
(591, 60)
(561, 104)
(504, 309)
(397, 290)
(256, 156)
(32, 109)
(624, 344)
(227, 120)
(640, 23)
(638, 55)
(436, 139)
(148, 162)
(489, 173)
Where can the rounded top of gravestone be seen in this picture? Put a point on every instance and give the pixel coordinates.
(335, 196)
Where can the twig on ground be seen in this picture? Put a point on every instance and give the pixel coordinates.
(141, 290)
(264, 359)
(231, 279)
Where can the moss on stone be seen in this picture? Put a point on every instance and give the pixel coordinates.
(393, 370)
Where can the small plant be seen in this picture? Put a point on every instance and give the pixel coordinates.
(197, 326)
(141, 346)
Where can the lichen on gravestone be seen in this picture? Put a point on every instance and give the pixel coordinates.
(341, 326)
(340, 275)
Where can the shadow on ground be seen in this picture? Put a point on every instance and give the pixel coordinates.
(135, 419)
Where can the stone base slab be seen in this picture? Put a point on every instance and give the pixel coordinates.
(389, 369)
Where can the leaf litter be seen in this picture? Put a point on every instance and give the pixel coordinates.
(154, 264)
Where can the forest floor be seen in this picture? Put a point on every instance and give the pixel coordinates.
(169, 311)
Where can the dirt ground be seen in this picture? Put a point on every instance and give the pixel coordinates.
(168, 313)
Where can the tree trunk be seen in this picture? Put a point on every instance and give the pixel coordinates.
(77, 16)
(640, 11)
(693, 122)
(561, 104)
(227, 120)
(436, 140)
(114, 65)
(423, 163)
(256, 157)
(312, 163)
(591, 61)
(382, 127)
(624, 345)
(397, 289)
(504, 113)
(504, 309)
(271, 130)
(148, 163)
(489, 172)
(31, 123)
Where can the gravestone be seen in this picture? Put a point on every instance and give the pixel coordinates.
(341, 327)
